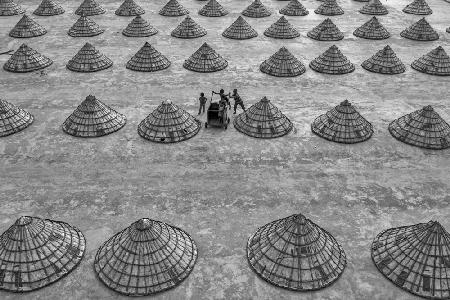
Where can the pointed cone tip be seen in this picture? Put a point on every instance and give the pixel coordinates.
(23, 220)
(143, 224)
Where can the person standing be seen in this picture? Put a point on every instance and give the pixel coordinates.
(223, 97)
(237, 100)
(202, 101)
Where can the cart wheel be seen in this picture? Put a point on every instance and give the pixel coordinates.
(228, 120)
(206, 125)
(226, 127)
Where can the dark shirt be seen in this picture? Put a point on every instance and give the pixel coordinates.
(203, 100)
(236, 98)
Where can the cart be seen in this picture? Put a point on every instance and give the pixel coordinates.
(213, 118)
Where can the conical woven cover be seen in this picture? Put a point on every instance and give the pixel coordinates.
(282, 64)
(326, 31)
(294, 8)
(146, 258)
(416, 258)
(329, 8)
(139, 27)
(332, 62)
(148, 59)
(361, 0)
(9, 8)
(89, 8)
(436, 62)
(420, 31)
(205, 60)
(36, 252)
(423, 128)
(240, 30)
(385, 62)
(374, 7)
(256, 10)
(263, 120)
(89, 59)
(282, 29)
(93, 118)
(26, 59)
(48, 8)
(27, 28)
(13, 119)
(173, 9)
(418, 7)
(372, 30)
(85, 27)
(296, 254)
(129, 8)
(188, 29)
(213, 9)
(168, 123)
(342, 124)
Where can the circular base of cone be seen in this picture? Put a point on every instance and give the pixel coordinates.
(95, 136)
(18, 129)
(43, 66)
(89, 70)
(168, 140)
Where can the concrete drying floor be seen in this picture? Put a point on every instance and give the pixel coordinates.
(221, 186)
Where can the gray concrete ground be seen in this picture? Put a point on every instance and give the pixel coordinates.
(221, 186)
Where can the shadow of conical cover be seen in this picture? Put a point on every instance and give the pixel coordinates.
(296, 254)
(173, 9)
(332, 62)
(205, 60)
(374, 7)
(90, 8)
(138, 27)
(213, 9)
(416, 258)
(49, 8)
(240, 30)
(27, 28)
(26, 59)
(89, 59)
(435, 62)
(169, 123)
(326, 31)
(263, 120)
(148, 59)
(256, 10)
(420, 31)
(145, 258)
(385, 62)
(372, 30)
(294, 8)
(342, 124)
(283, 64)
(418, 7)
(36, 252)
(188, 29)
(281, 29)
(85, 27)
(422, 128)
(10, 8)
(329, 8)
(13, 119)
(129, 8)
(448, 30)
(93, 118)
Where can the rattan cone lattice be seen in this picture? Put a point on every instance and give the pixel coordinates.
(139, 27)
(85, 27)
(27, 28)
(26, 59)
(294, 8)
(129, 8)
(296, 254)
(422, 128)
(169, 123)
(145, 258)
(89, 8)
(372, 30)
(13, 119)
(205, 60)
(342, 124)
(384, 61)
(188, 29)
(374, 7)
(326, 31)
(418, 7)
(49, 8)
(361, 0)
(36, 252)
(173, 9)
(263, 120)
(281, 29)
(10, 8)
(93, 118)
(148, 59)
(435, 62)
(256, 10)
(420, 31)
(283, 64)
(240, 30)
(213, 9)
(89, 59)
(416, 258)
(329, 8)
(333, 62)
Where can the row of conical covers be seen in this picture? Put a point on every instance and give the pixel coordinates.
(150, 256)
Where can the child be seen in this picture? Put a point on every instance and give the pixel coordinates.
(237, 100)
(223, 97)
(202, 100)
